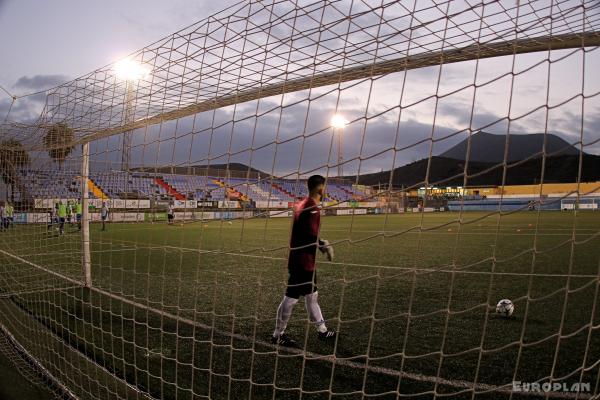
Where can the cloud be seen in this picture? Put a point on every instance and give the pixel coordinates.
(282, 140)
(591, 128)
(40, 82)
(28, 108)
(22, 110)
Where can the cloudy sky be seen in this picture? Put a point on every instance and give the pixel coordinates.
(47, 43)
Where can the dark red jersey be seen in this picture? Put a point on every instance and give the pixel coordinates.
(305, 231)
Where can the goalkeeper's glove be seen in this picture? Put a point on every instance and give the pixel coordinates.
(326, 248)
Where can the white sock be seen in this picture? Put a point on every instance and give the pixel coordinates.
(284, 312)
(314, 311)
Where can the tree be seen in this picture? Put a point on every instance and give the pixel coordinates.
(12, 156)
(59, 142)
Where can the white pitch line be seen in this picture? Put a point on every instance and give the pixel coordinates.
(461, 384)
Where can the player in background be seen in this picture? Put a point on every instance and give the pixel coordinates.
(9, 212)
(78, 212)
(302, 278)
(171, 214)
(104, 215)
(2, 216)
(53, 215)
(69, 212)
(62, 216)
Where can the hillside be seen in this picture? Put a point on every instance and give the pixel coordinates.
(487, 147)
(563, 168)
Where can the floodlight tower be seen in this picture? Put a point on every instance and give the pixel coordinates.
(131, 72)
(338, 123)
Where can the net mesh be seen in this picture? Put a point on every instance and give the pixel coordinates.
(406, 108)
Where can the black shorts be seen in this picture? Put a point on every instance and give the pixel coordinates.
(170, 216)
(301, 283)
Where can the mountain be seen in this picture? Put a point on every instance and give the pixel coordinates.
(445, 171)
(487, 147)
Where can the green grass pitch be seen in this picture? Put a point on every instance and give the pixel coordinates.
(411, 295)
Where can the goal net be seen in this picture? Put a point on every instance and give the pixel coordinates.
(147, 210)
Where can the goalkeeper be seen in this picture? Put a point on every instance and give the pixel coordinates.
(301, 265)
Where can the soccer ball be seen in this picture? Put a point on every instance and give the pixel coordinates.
(505, 308)
(229, 222)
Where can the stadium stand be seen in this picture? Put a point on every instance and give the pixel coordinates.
(118, 184)
(519, 203)
(50, 183)
(121, 184)
(191, 186)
